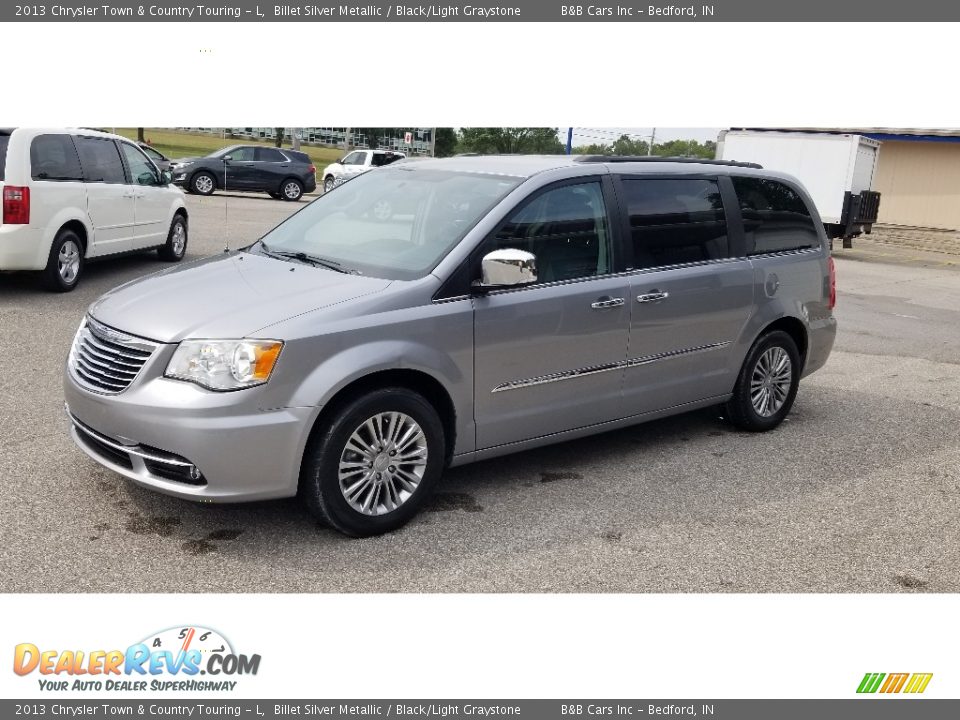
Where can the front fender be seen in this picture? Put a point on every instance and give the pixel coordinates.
(341, 369)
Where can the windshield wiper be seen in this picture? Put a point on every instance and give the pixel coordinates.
(307, 258)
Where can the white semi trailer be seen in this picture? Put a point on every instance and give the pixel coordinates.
(837, 170)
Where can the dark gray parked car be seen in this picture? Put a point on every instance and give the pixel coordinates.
(517, 301)
(283, 174)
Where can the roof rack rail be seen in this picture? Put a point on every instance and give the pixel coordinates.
(655, 158)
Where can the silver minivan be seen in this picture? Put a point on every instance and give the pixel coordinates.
(504, 302)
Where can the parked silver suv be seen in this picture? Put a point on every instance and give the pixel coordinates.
(516, 301)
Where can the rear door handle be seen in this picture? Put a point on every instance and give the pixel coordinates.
(652, 296)
(604, 303)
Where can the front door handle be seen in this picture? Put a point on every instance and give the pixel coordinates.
(607, 302)
(653, 296)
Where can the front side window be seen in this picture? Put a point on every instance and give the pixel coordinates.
(675, 221)
(54, 157)
(242, 154)
(396, 223)
(142, 171)
(152, 154)
(101, 161)
(775, 218)
(566, 229)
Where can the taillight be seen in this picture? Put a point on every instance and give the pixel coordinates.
(16, 205)
(833, 283)
(312, 168)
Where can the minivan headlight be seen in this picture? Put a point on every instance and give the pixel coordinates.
(224, 364)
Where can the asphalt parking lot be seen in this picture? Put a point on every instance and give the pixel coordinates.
(859, 491)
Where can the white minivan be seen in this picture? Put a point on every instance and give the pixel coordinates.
(72, 195)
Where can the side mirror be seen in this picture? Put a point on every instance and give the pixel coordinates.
(507, 268)
(227, 158)
(166, 177)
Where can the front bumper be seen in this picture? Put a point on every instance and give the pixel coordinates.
(179, 439)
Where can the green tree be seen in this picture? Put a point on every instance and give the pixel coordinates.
(444, 142)
(510, 140)
(278, 140)
(686, 148)
(626, 145)
(594, 149)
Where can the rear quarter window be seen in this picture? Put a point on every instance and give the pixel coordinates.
(4, 141)
(299, 157)
(54, 157)
(775, 217)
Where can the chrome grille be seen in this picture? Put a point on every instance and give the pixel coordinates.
(105, 360)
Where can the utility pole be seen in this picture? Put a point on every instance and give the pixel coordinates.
(295, 137)
(433, 142)
(569, 141)
(653, 138)
(347, 139)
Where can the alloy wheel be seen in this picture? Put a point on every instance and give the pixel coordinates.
(179, 239)
(68, 262)
(770, 381)
(204, 184)
(383, 463)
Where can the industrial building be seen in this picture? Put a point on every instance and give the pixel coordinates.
(421, 139)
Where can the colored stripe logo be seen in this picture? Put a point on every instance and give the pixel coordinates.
(894, 683)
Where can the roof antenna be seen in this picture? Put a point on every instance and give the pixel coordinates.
(226, 205)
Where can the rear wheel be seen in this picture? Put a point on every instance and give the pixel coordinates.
(767, 384)
(176, 246)
(371, 468)
(291, 190)
(65, 262)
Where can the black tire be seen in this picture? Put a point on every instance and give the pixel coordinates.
(176, 246)
(57, 277)
(320, 485)
(291, 190)
(740, 409)
(328, 183)
(203, 183)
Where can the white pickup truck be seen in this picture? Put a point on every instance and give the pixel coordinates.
(356, 163)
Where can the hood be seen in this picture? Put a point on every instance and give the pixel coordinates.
(229, 296)
(184, 161)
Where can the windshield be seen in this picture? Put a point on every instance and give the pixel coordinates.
(395, 223)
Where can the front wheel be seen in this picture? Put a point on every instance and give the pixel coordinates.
(203, 183)
(176, 246)
(370, 469)
(329, 184)
(767, 384)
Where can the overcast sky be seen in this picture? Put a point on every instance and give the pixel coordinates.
(606, 135)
